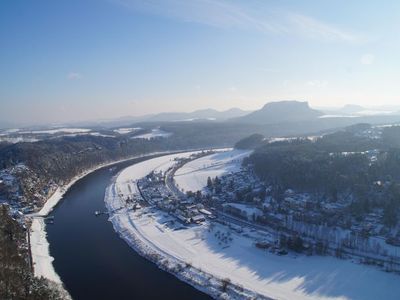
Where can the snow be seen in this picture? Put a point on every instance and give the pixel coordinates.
(19, 139)
(288, 139)
(126, 130)
(247, 209)
(12, 130)
(124, 180)
(337, 116)
(65, 132)
(375, 112)
(359, 114)
(278, 277)
(99, 134)
(87, 133)
(157, 132)
(196, 119)
(59, 130)
(193, 175)
(42, 260)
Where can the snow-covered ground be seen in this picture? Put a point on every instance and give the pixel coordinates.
(58, 130)
(18, 139)
(278, 277)
(193, 175)
(156, 132)
(41, 258)
(26, 136)
(125, 179)
(337, 116)
(86, 133)
(126, 130)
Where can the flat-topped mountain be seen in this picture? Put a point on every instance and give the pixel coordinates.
(280, 112)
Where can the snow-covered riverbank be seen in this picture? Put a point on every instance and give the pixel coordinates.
(225, 263)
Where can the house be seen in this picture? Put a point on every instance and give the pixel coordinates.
(198, 219)
(205, 212)
(183, 219)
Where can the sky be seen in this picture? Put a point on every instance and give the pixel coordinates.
(77, 60)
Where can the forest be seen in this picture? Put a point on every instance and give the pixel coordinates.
(16, 276)
(346, 165)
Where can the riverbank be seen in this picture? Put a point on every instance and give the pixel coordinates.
(224, 262)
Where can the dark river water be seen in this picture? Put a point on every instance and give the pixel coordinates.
(91, 259)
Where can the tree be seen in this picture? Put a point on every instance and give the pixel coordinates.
(389, 215)
(209, 182)
(16, 278)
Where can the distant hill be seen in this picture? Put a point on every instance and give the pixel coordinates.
(280, 112)
(346, 110)
(204, 114)
(198, 115)
(5, 125)
(351, 109)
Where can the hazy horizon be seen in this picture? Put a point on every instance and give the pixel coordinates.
(88, 60)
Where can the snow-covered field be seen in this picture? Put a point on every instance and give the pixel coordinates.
(157, 132)
(19, 139)
(36, 135)
(59, 130)
(86, 133)
(277, 277)
(126, 130)
(125, 179)
(193, 175)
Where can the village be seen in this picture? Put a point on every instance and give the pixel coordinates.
(286, 221)
(157, 189)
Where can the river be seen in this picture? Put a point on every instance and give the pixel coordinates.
(91, 259)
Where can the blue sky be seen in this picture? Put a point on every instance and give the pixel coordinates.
(89, 59)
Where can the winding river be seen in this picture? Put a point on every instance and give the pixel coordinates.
(91, 259)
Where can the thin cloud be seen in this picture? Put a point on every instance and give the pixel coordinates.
(317, 83)
(367, 59)
(316, 29)
(74, 76)
(232, 89)
(232, 14)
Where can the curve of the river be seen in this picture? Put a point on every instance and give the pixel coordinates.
(91, 259)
